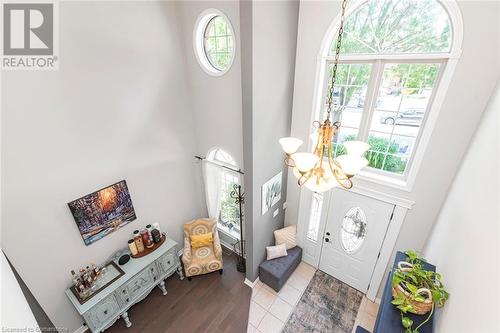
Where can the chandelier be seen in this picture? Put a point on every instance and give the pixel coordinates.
(320, 171)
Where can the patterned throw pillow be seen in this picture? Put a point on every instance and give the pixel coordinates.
(287, 235)
(201, 240)
(276, 251)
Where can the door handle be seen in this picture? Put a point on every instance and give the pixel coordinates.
(327, 233)
(327, 240)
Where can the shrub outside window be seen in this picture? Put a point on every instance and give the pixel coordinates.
(392, 58)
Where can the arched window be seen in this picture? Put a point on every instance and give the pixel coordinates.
(220, 177)
(391, 78)
(218, 155)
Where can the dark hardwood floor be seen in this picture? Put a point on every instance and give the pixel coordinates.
(208, 303)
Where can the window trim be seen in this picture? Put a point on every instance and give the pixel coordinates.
(212, 154)
(199, 46)
(369, 110)
(448, 62)
(227, 233)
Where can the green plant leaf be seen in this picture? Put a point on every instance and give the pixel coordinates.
(411, 254)
(407, 322)
(419, 298)
(411, 287)
(405, 308)
(436, 295)
(396, 280)
(398, 301)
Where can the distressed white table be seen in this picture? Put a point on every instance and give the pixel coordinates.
(141, 276)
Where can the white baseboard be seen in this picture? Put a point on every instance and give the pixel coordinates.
(250, 283)
(81, 329)
(378, 300)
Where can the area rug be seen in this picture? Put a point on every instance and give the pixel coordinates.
(327, 305)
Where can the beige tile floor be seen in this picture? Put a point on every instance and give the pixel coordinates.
(367, 314)
(269, 310)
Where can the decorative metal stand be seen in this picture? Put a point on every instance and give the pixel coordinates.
(240, 199)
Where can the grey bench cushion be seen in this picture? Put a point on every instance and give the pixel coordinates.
(275, 272)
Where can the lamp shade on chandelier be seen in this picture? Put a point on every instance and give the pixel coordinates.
(320, 171)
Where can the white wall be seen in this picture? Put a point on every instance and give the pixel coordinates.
(117, 108)
(216, 101)
(465, 241)
(15, 310)
(476, 73)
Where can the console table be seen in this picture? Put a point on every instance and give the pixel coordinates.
(389, 317)
(141, 276)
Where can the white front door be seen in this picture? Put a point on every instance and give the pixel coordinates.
(355, 229)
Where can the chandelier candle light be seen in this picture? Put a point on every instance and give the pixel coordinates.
(320, 171)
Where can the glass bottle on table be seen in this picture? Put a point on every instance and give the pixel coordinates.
(76, 281)
(95, 270)
(82, 278)
(89, 276)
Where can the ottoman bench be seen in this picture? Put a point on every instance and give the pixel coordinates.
(275, 272)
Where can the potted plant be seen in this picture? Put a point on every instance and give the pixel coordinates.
(416, 290)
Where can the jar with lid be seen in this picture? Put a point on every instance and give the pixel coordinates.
(132, 247)
(156, 236)
(145, 238)
(138, 241)
(149, 228)
(156, 226)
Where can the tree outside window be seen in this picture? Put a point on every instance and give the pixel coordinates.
(381, 100)
(229, 212)
(228, 209)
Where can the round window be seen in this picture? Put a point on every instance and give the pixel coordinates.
(353, 230)
(214, 42)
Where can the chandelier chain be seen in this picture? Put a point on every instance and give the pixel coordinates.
(336, 60)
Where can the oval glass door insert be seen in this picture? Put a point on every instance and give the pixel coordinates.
(353, 230)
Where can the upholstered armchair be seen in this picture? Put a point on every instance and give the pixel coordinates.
(205, 259)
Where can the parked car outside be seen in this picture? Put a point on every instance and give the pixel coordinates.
(409, 117)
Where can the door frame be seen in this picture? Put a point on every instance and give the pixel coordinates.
(312, 250)
(323, 243)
